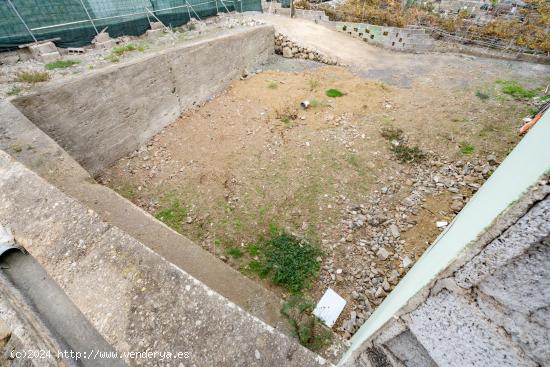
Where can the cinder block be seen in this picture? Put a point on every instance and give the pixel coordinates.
(42, 48)
(49, 57)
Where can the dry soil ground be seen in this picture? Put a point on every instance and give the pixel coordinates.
(253, 157)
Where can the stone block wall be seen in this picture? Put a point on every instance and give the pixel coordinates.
(401, 39)
(315, 15)
(290, 49)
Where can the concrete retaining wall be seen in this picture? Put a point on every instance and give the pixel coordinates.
(402, 39)
(133, 297)
(104, 115)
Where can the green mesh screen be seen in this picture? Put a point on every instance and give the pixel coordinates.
(285, 3)
(120, 17)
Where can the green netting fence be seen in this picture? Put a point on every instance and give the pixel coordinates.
(71, 22)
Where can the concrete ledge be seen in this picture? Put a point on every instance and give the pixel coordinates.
(133, 297)
(32, 147)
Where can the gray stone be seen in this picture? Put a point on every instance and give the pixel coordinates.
(382, 253)
(394, 230)
(287, 52)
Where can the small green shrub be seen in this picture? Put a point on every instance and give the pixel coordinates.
(313, 84)
(129, 47)
(272, 85)
(515, 90)
(112, 58)
(333, 93)
(407, 154)
(466, 148)
(14, 90)
(288, 260)
(235, 252)
(392, 133)
(287, 116)
(16, 148)
(33, 76)
(172, 215)
(482, 96)
(311, 333)
(127, 191)
(61, 64)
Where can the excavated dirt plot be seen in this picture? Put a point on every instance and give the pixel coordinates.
(253, 157)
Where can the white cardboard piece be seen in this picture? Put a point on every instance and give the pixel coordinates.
(330, 306)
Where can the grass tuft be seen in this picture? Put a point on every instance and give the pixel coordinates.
(482, 96)
(466, 148)
(14, 90)
(408, 154)
(333, 93)
(172, 215)
(33, 76)
(313, 84)
(311, 333)
(127, 191)
(289, 261)
(129, 47)
(514, 89)
(235, 252)
(272, 84)
(61, 64)
(392, 133)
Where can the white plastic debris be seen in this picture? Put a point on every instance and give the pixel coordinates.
(330, 307)
(441, 223)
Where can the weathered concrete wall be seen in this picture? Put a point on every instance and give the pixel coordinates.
(493, 310)
(136, 299)
(38, 152)
(104, 115)
(401, 39)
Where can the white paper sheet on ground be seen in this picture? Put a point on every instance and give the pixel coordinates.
(330, 306)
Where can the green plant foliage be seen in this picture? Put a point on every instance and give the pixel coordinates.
(310, 332)
(515, 90)
(482, 96)
(333, 93)
(172, 215)
(129, 47)
(466, 148)
(235, 252)
(392, 133)
(33, 76)
(288, 260)
(13, 91)
(61, 64)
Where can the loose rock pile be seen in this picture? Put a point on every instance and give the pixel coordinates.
(289, 49)
(371, 231)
